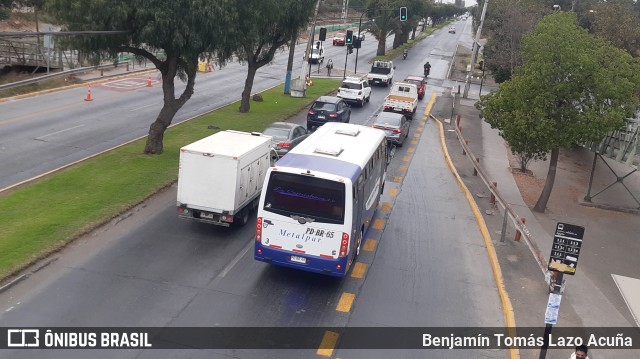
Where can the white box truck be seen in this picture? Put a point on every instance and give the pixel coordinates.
(220, 177)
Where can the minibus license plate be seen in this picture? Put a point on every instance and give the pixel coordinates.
(299, 259)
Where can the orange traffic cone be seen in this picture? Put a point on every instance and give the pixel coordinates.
(210, 68)
(88, 98)
(149, 82)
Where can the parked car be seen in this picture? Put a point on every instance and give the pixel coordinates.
(452, 30)
(420, 82)
(285, 136)
(327, 109)
(355, 89)
(395, 126)
(339, 39)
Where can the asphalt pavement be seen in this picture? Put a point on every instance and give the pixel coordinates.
(605, 291)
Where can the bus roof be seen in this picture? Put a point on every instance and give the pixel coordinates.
(337, 148)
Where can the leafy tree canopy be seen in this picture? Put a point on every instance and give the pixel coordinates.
(572, 88)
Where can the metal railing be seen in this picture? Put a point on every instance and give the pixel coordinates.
(60, 74)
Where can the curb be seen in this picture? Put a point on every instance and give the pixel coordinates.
(507, 308)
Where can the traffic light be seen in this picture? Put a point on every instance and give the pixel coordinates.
(323, 34)
(357, 43)
(403, 13)
(349, 37)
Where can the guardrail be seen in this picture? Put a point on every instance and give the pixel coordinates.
(60, 74)
(517, 221)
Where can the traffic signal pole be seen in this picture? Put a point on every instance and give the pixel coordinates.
(355, 69)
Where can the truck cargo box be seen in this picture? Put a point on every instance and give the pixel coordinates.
(220, 177)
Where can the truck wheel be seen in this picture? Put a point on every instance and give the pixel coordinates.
(368, 98)
(242, 218)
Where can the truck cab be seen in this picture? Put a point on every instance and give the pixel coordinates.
(381, 73)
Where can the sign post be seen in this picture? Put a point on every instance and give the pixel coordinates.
(565, 252)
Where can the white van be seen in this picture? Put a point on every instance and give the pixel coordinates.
(317, 53)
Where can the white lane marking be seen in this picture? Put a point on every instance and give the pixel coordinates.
(141, 107)
(235, 260)
(57, 132)
(630, 289)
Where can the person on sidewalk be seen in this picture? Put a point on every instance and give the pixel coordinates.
(580, 353)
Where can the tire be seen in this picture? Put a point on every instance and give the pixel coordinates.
(241, 218)
(368, 98)
(361, 103)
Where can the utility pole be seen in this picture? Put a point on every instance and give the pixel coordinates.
(476, 47)
(305, 61)
(287, 79)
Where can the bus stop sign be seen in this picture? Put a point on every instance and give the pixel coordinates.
(565, 250)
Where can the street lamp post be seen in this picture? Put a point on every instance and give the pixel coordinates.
(476, 47)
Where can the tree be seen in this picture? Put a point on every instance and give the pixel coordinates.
(618, 22)
(506, 22)
(265, 26)
(5, 9)
(572, 88)
(171, 34)
(384, 21)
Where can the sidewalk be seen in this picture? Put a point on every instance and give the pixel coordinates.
(591, 298)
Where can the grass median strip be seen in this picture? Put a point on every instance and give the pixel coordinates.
(40, 218)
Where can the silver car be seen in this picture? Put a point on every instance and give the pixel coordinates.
(285, 136)
(395, 125)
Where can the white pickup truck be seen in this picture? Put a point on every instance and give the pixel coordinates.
(381, 73)
(402, 98)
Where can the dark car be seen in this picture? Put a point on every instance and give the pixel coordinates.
(327, 109)
(419, 82)
(395, 126)
(285, 136)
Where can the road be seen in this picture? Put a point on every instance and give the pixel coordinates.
(44, 132)
(428, 269)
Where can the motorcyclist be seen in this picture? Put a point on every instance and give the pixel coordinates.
(427, 68)
(405, 52)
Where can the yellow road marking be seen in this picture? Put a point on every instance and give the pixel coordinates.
(416, 135)
(370, 245)
(414, 142)
(419, 129)
(407, 158)
(329, 341)
(430, 105)
(397, 179)
(402, 168)
(385, 206)
(358, 270)
(345, 302)
(393, 191)
(411, 149)
(378, 224)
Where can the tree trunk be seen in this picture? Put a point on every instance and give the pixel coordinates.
(171, 105)
(413, 32)
(381, 47)
(245, 103)
(541, 205)
(397, 40)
